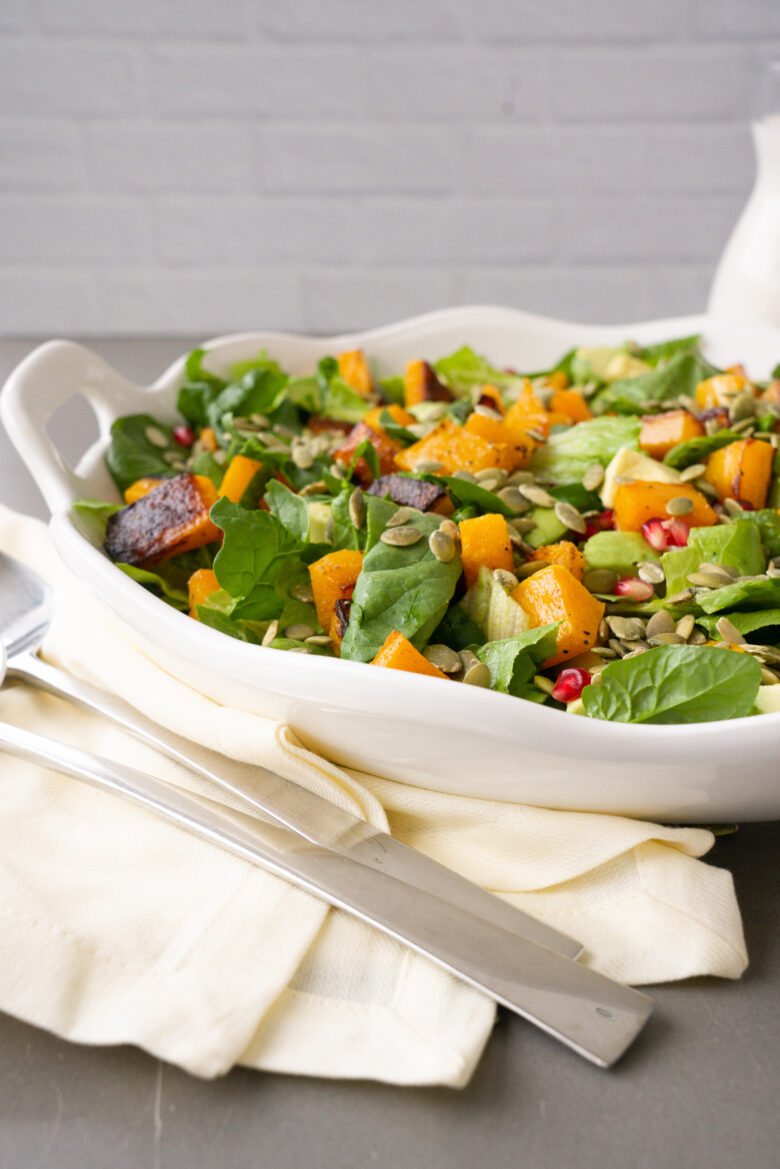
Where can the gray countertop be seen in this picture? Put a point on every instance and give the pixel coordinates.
(698, 1088)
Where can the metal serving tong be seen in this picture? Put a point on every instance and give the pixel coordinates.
(520, 962)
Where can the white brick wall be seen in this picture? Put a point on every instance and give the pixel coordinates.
(181, 166)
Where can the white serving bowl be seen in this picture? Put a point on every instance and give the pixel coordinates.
(456, 739)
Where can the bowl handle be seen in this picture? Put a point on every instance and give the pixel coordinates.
(47, 377)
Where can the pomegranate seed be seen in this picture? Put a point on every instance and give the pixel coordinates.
(633, 588)
(654, 531)
(602, 522)
(570, 684)
(678, 531)
(183, 435)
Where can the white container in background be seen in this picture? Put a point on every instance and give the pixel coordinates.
(747, 279)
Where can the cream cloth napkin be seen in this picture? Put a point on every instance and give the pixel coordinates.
(118, 928)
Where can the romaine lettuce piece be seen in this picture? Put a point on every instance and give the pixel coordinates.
(566, 456)
(489, 605)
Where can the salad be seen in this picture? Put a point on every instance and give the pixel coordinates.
(602, 536)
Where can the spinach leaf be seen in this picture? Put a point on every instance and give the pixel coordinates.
(680, 375)
(565, 457)
(196, 373)
(345, 534)
(514, 661)
(456, 629)
(393, 389)
(565, 364)
(464, 492)
(132, 456)
(259, 391)
(306, 393)
(694, 450)
(194, 400)
(366, 450)
(205, 464)
(290, 509)
(217, 611)
(464, 369)
(342, 402)
(177, 597)
(400, 588)
(675, 684)
(578, 496)
(663, 350)
(253, 550)
(394, 429)
(746, 623)
(775, 372)
(93, 516)
(768, 522)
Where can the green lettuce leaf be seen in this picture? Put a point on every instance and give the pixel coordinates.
(289, 508)
(178, 597)
(490, 606)
(93, 516)
(465, 369)
(736, 546)
(400, 588)
(768, 522)
(763, 593)
(675, 684)
(663, 350)
(747, 623)
(680, 375)
(513, 661)
(254, 548)
(566, 456)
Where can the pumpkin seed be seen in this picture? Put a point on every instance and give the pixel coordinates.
(519, 544)
(524, 526)
(402, 516)
(636, 651)
(357, 508)
(489, 483)
(319, 487)
(535, 494)
(523, 571)
(156, 437)
(174, 461)
(665, 639)
(486, 473)
(650, 572)
(706, 580)
(487, 412)
(441, 545)
(692, 472)
(477, 675)
(337, 471)
(428, 467)
(466, 476)
(518, 477)
(743, 407)
(733, 507)
(593, 477)
(506, 579)
(603, 630)
(685, 626)
(600, 580)
(302, 592)
(697, 637)
(330, 529)
(729, 631)
(682, 597)
(617, 647)
(603, 651)
(513, 498)
(624, 480)
(444, 658)
(680, 505)
(772, 571)
(705, 488)
(450, 528)
(569, 515)
(724, 570)
(536, 435)
(768, 678)
(712, 426)
(468, 658)
(318, 639)
(260, 421)
(546, 685)
(302, 457)
(298, 632)
(402, 537)
(627, 628)
(270, 633)
(660, 622)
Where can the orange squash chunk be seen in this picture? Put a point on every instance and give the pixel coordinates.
(398, 653)
(396, 412)
(201, 585)
(528, 413)
(564, 553)
(172, 518)
(333, 578)
(494, 430)
(554, 594)
(742, 471)
(457, 449)
(570, 405)
(382, 444)
(353, 368)
(140, 488)
(208, 440)
(491, 396)
(720, 389)
(661, 432)
(422, 385)
(636, 503)
(485, 540)
(238, 476)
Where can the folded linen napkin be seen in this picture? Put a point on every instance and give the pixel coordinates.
(118, 928)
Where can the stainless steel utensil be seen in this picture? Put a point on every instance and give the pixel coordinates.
(26, 608)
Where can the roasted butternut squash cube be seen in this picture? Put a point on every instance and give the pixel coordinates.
(485, 540)
(201, 585)
(742, 471)
(208, 440)
(172, 518)
(384, 446)
(527, 412)
(491, 396)
(519, 449)
(398, 653)
(570, 404)
(140, 488)
(353, 368)
(240, 473)
(333, 578)
(456, 449)
(565, 553)
(636, 503)
(554, 594)
(422, 385)
(396, 412)
(721, 389)
(661, 432)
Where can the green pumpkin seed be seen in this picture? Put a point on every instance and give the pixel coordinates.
(523, 571)
(600, 580)
(665, 639)
(298, 632)
(441, 545)
(402, 537)
(729, 632)
(506, 579)
(477, 675)
(357, 508)
(270, 633)
(692, 472)
(569, 515)
(318, 639)
(650, 572)
(679, 506)
(537, 495)
(156, 437)
(546, 685)
(400, 517)
(685, 626)
(593, 477)
(428, 467)
(627, 628)
(302, 592)
(660, 622)
(444, 658)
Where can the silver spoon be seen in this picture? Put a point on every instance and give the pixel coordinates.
(26, 610)
(591, 1014)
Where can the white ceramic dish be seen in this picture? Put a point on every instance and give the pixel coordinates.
(450, 738)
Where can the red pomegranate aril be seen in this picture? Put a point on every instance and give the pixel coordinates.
(570, 684)
(603, 522)
(654, 531)
(633, 588)
(678, 531)
(183, 435)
